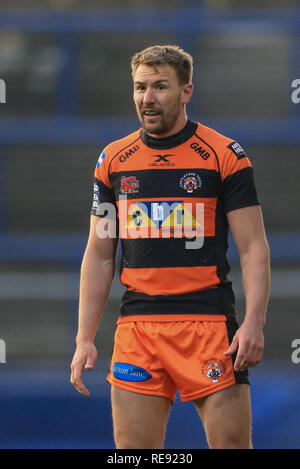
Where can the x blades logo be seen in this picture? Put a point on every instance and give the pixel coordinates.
(162, 160)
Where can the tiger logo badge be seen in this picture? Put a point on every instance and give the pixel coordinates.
(190, 182)
(213, 369)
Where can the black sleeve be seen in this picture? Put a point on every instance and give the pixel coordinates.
(239, 190)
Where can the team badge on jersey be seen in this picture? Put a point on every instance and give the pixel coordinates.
(129, 185)
(155, 219)
(213, 369)
(237, 150)
(101, 158)
(190, 182)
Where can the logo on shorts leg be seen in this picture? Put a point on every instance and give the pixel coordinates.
(127, 372)
(213, 369)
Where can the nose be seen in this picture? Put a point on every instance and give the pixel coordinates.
(148, 96)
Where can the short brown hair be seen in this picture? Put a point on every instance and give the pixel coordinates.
(180, 60)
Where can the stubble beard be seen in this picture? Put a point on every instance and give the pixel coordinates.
(166, 123)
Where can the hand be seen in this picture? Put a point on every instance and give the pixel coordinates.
(249, 341)
(84, 358)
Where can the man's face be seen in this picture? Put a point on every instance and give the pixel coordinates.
(159, 99)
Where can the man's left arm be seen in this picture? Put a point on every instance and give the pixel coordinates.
(247, 228)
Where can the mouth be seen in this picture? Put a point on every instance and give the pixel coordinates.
(150, 114)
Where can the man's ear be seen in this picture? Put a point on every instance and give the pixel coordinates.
(187, 92)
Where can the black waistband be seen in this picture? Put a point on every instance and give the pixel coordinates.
(218, 300)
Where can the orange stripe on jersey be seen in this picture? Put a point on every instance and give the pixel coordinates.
(166, 281)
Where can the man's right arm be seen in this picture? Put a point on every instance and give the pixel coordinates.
(97, 273)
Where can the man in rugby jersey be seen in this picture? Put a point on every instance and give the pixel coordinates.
(177, 329)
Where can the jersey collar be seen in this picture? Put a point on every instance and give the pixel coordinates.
(173, 140)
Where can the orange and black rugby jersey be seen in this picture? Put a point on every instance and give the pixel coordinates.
(171, 196)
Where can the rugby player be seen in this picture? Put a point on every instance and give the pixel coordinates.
(177, 329)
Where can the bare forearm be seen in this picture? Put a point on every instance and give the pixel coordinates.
(256, 280)
(95, 283)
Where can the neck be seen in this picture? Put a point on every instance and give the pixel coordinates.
(177, 127)
(171, 140)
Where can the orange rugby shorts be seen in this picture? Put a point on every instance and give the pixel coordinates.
(158, 356)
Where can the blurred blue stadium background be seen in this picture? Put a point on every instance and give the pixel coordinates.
(66, 68)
